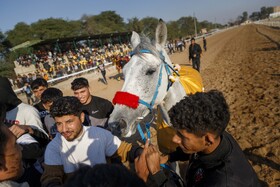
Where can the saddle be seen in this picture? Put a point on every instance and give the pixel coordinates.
(191, 80)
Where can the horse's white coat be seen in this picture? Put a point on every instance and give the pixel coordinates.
(140, 81)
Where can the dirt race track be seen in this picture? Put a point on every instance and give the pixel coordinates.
(243, 63)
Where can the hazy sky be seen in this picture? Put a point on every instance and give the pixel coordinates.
(221, 11)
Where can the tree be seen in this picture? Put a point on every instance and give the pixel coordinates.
(21, 33)
(134, 24)
(186, 26)
(2, 47)
(255, 16)
(107, 22)
(264, 13)
(52, 28)
(244, 16)
(172, 29)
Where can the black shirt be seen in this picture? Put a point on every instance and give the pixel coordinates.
(97, 111)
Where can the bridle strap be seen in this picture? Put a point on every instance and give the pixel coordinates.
(141, 51)
(119, 100)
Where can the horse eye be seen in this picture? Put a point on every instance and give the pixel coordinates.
(150, 71)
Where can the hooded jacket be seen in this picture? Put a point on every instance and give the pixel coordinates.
(7, 94)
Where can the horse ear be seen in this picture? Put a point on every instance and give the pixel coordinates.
(135, 39)
(161, 33)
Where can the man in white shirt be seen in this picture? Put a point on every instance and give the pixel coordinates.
(76, 145)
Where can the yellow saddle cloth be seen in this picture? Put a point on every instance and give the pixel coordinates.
(192, 83)
(190, 80)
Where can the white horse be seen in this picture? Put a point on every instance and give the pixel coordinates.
(146, 85)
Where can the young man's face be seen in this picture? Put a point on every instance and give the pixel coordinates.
(11, 160)
(38, 92)
(83, 95)
(193, 41)
(189, 142)
(70, 126)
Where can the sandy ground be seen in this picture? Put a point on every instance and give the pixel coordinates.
(243, 63)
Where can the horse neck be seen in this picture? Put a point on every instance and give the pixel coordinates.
(175, 93)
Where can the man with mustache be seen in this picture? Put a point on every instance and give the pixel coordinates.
(77, 145)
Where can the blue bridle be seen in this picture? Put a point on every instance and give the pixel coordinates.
(167, 68)
(151, 104)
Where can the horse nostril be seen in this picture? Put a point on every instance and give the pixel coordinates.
(122, 124)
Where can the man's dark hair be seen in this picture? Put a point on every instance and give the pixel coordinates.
(201, 113)
(3, 110)
(104, 175)
(193, 39)
(67, 105)
(51, 95)
(39, 82)
(79, 83)
(3, 140)
(3, 135)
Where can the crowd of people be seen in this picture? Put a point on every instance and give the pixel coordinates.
(52, 64)
(57, 140)
(176, 45)
(64, 140)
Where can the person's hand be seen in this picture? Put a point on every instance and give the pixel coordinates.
(18, 130)
(141, 165)
(153, 159)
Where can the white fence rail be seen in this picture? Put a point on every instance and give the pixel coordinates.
(270, 23)
(67, 76)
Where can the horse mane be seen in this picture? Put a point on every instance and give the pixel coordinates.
(146, 43)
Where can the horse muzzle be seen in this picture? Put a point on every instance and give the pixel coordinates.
(119, 128)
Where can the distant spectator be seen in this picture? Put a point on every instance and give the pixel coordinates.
(204, 43)
(28, 92)
(194, 54)
(101, 67)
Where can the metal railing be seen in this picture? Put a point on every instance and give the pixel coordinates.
(67, 76)
(270, 23)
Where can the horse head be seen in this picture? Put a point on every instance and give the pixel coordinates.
(146, 82)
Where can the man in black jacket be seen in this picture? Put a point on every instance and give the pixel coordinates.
(215, 158)
(194, 54)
